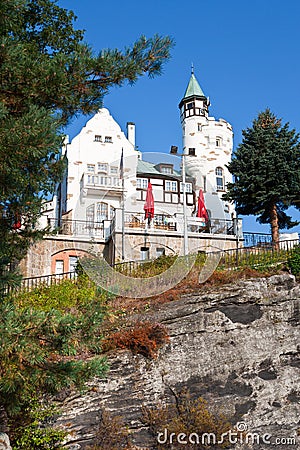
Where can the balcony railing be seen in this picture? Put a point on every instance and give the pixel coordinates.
(167, 222)
(100, 181)
(159, 222)
(81, 227)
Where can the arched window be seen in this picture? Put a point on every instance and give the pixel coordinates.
(218, 141)
(220, 179)
(99, 212)
(102, 212)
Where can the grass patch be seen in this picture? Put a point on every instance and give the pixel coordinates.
(67, 295)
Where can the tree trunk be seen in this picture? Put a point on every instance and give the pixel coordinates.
(274, 226)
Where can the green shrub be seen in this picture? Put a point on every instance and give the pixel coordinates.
(32, 428)
(294, 261)
(66, 295)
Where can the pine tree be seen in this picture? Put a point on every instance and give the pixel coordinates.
(266, 170)
(50, 339)
(48, 76)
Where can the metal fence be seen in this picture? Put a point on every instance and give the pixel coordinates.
(253, 257)
(167, 222)
(257, 256)
(257, 239)
(29, 283)
(78, 227)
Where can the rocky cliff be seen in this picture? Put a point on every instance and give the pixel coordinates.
(237, 346)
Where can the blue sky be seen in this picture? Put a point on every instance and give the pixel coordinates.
(245, 54)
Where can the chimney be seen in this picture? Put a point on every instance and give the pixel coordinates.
(131, 133)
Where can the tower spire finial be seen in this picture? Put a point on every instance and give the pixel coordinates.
(192, 68)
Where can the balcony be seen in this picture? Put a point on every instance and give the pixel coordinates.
(81, 228)
(171, 223)
(93, 183)
(159, 222)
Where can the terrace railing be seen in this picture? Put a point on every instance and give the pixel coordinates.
(159, 222)
(80, 227)
(252, 257)
(257, 239)
(29, 283)
(168, 222)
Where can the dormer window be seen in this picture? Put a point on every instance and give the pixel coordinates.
(166, 169)
(98, 138)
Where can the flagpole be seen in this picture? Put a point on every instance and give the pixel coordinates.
(123, 204)
(123, 221)
(185, 230)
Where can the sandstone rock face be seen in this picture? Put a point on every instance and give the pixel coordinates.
(237, 346)
(4, 442)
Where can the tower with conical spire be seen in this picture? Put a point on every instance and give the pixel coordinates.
(194, 102)
(211, 141)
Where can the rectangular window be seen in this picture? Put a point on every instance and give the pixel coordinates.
(102, 167)
(91, 168)
(218, 142)
(160, 251)
(73, 263)
(59, 266)
(142, 183)
(144, 253)
(204, 183)
(108, 139)
(171, 186)
(199, 127)
(220, 184)
(98, 138)
(114, 170)
(90, 214)
(188, 188)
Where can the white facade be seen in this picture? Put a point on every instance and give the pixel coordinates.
(211, 142)
(92, 188)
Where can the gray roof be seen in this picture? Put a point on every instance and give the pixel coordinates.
(145, 167)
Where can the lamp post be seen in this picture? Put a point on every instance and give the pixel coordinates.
(174, 151)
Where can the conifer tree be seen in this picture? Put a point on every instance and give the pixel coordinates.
(48, 76)
(266, 170)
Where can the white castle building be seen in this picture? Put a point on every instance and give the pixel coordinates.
(94, 158)
(102, 195)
